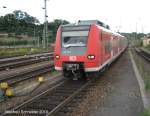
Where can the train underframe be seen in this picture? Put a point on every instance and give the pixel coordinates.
(73, 70)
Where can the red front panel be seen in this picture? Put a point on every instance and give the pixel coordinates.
(57, 49)
(93, 48)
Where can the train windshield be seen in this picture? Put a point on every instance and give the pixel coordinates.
(74, 38)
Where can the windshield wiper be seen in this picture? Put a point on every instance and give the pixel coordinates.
(73, 45)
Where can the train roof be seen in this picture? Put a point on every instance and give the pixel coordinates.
(109, 31)
(98, 23)
(89, 22)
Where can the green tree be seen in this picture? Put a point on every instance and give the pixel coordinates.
(53, 26)
(20, 15)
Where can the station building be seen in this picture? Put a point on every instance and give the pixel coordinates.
(146, 40)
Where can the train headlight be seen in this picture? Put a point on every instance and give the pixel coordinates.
(91, 57)
(57, 57)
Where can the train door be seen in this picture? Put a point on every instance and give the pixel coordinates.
(107, 46)
(112, 51)
(101, 47)
(115, 45)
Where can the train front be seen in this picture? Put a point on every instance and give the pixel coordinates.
(73, 52)
(70, 50)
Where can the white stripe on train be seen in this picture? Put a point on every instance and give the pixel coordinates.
(99, 67)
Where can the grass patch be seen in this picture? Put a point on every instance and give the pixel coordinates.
(147, 47)
(147, 85)
(146, 112)
(10, 52)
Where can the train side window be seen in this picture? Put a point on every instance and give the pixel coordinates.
(107, 46)
(100, 35)
(106, 42)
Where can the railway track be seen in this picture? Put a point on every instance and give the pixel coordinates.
(51, 101)
(24, 60)
(12, 79)
(143, 53)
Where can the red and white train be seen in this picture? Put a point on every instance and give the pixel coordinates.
(86, 47)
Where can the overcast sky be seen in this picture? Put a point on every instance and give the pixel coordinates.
(124, 15)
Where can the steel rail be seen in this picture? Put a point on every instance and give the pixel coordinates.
(21, 58)
(23, 63)
(58, 107)
(50, 94)
(142, 53)
(13, 79)
(38, 96)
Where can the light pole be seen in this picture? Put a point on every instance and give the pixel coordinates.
(45, 30)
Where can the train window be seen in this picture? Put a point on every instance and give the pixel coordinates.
(108, 46)
(115, 42)
(100, 35)
(74, 38)
(74, 41)
(106, 42)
